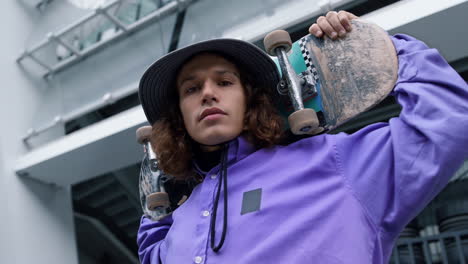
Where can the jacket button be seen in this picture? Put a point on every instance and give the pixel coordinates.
(198, 259)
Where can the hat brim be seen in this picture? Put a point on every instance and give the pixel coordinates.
(157, 88)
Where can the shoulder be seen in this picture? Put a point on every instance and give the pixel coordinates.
(319, 144)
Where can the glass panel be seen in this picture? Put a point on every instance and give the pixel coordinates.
(147, 7)
(224, 15)
(52, 53)
(89, 33)
(127, 12)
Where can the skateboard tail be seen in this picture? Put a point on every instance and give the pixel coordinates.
(349, 75)
(356, 72)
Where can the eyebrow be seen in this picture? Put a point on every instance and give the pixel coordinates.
(222, 72)
(218, 72)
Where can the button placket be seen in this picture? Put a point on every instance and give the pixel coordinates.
(203, 226)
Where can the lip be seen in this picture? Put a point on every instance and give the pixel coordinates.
(211, 111)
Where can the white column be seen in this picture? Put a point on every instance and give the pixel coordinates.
(36, 219)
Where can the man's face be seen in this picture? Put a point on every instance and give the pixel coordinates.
(211, 99)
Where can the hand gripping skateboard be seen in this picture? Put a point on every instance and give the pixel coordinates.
(160, 194)
(329, 82)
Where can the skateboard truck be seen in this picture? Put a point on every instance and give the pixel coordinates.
(302, 120)
(307, 82)
(152, 182)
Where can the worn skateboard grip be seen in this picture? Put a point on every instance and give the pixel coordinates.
(356, 72)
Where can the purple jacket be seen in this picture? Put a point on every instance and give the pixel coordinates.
(330, 198)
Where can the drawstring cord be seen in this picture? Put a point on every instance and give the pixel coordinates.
(223, 181)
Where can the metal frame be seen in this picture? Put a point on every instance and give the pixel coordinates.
(177, 30)
(77, 55)
(409, 243)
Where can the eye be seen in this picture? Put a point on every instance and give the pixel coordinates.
(225, 83)
(190, 89)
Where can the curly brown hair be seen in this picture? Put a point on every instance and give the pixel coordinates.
(263, 128)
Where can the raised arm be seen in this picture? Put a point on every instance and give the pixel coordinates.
(395, 169)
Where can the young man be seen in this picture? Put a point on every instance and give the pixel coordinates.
(324, 199)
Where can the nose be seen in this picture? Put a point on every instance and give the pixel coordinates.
(209, 94)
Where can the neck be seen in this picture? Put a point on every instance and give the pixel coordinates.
(208, 148)
(207, 156)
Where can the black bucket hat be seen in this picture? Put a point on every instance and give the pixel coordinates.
(157, 85)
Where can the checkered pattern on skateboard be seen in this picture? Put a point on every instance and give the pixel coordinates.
(307, 59)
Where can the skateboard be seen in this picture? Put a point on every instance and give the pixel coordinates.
(325, 83)
(160, 194)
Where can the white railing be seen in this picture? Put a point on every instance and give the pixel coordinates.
(71, 50)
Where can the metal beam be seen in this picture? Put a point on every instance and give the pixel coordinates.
(112, 18)
(177, 30)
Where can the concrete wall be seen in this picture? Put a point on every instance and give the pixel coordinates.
(36, 219)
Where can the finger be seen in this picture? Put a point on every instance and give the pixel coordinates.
(327, 29)
(351, 16)
(334, 21)
(315, 30)
(345, 20)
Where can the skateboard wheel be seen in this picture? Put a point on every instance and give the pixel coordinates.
(157, 200)
(304, 121)
(277, 39)
(143, 134)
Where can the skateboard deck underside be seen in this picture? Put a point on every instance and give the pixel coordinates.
(351, 75)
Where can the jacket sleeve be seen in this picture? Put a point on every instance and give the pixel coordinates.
(394, 169)
(150, 239)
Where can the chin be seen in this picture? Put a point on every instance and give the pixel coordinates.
(216, 137)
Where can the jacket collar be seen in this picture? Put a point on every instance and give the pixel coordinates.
(238, 149)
